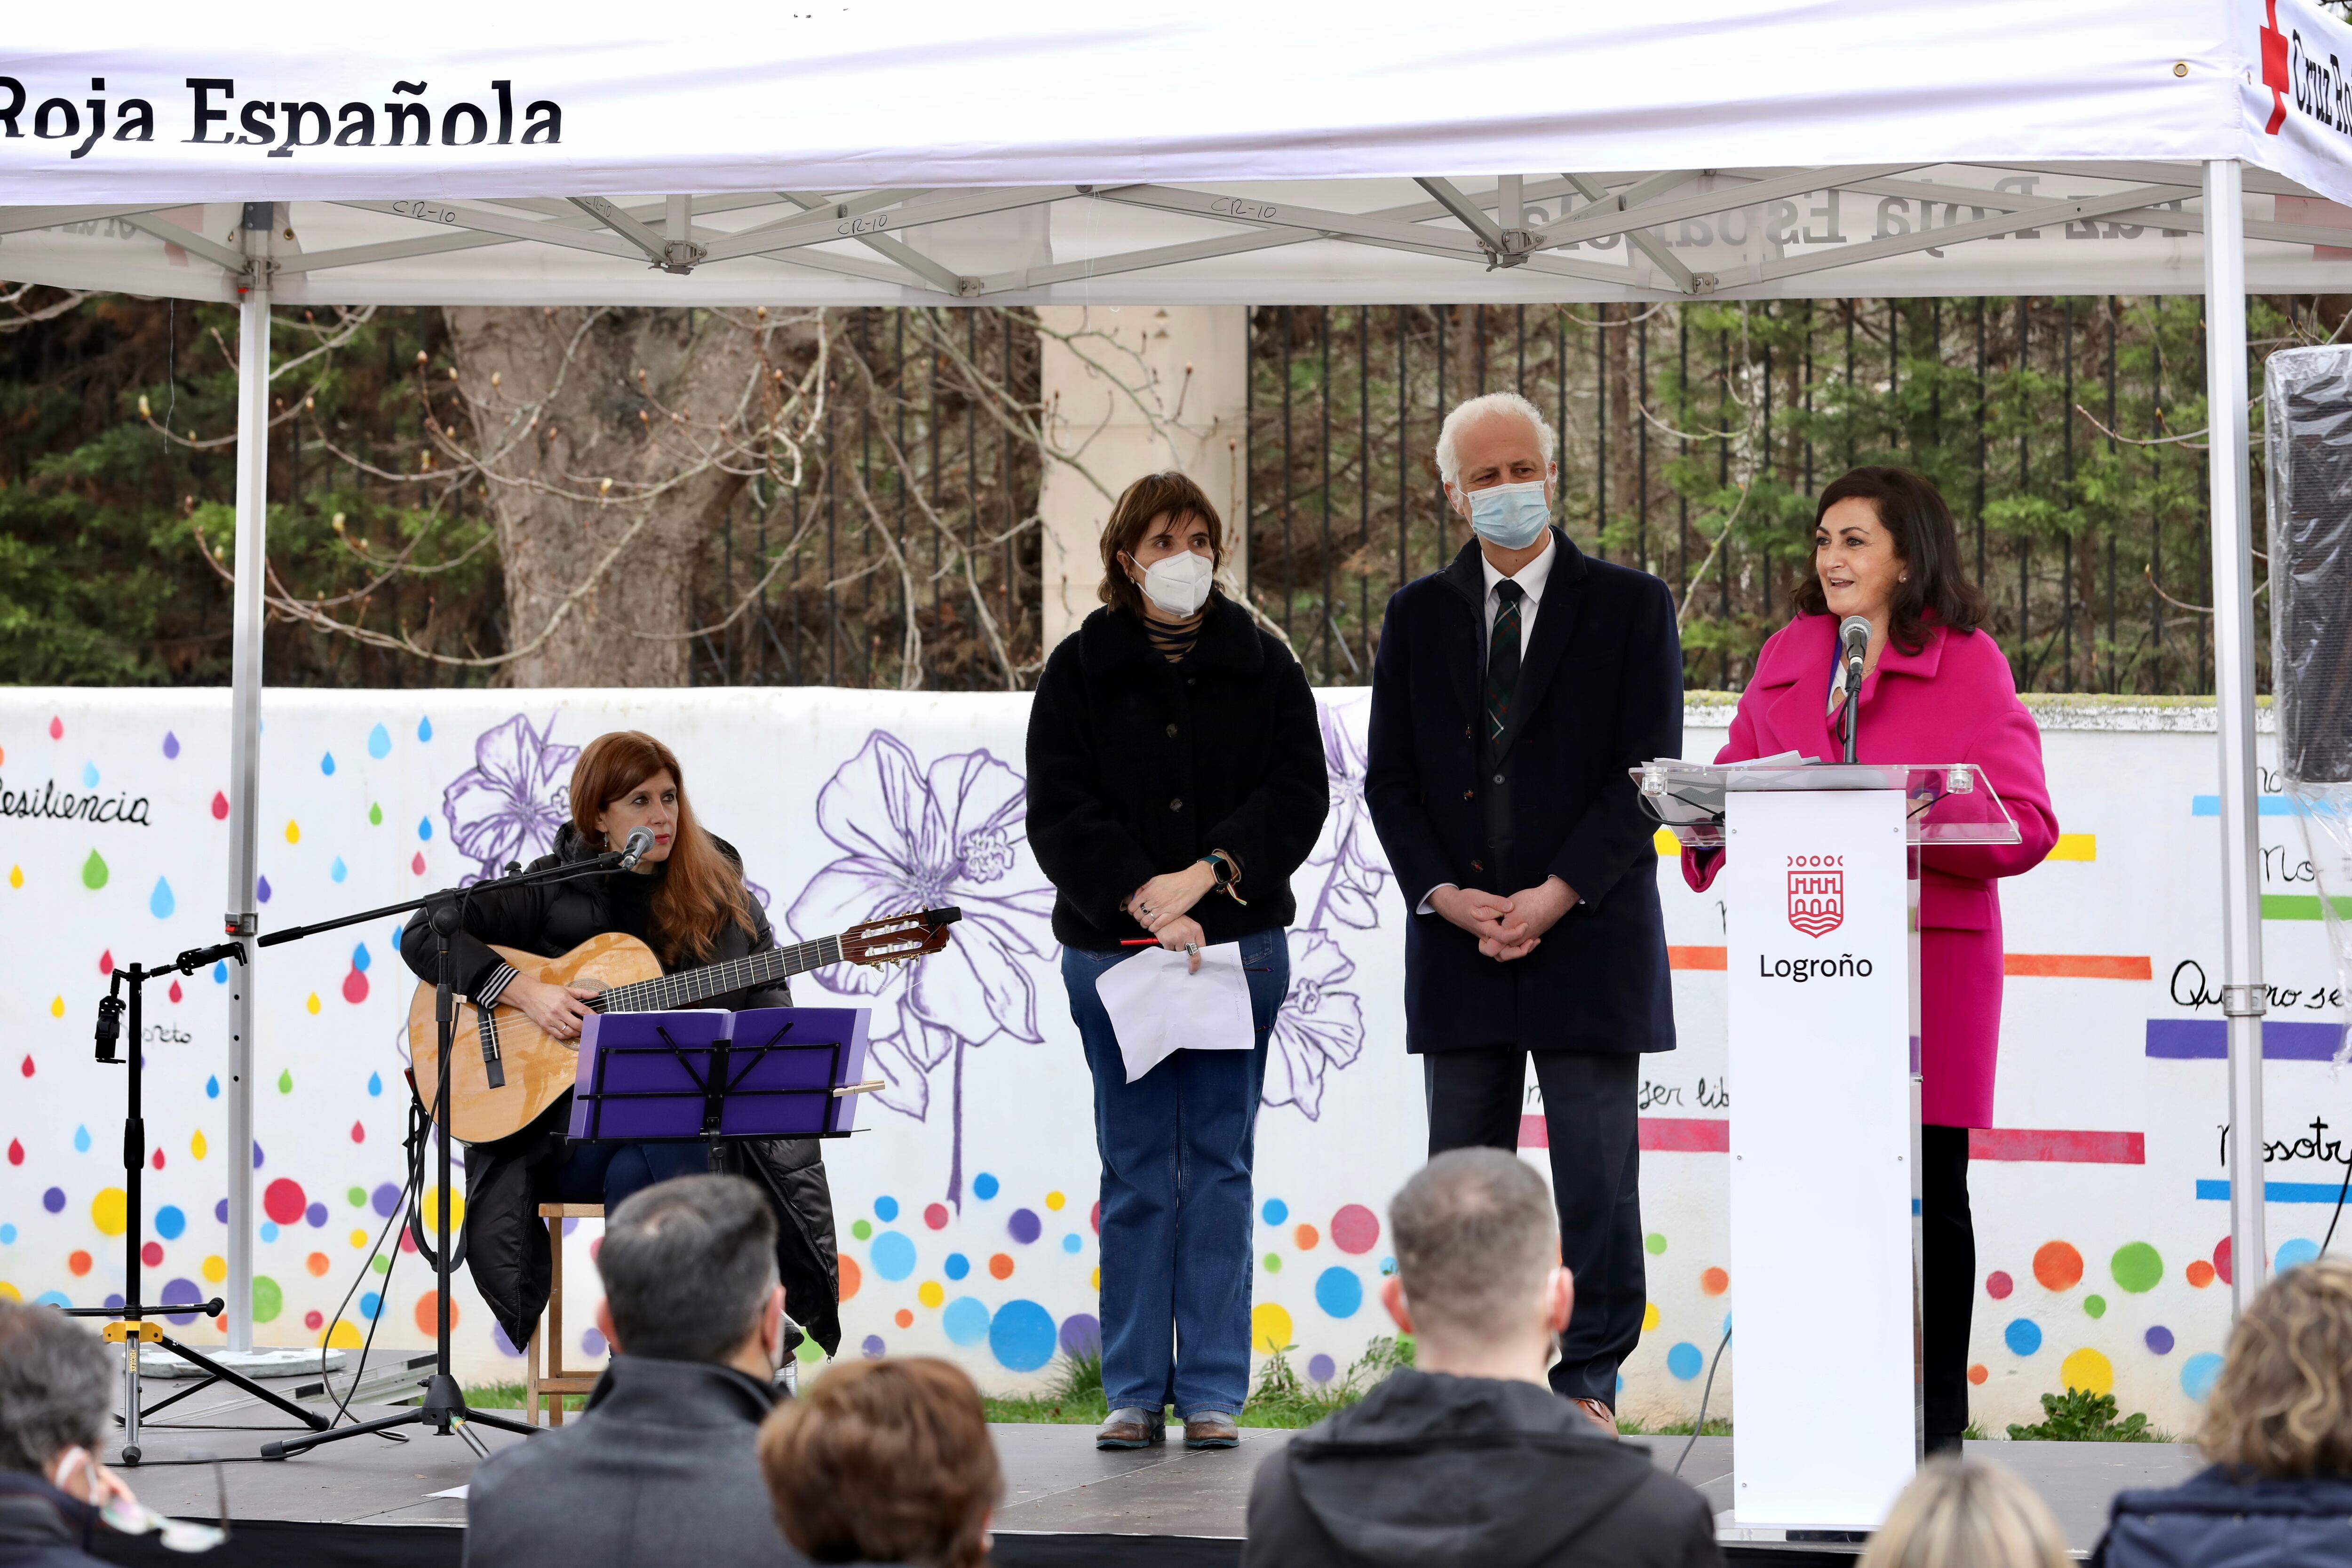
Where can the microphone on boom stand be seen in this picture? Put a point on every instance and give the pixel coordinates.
(641, 843)
(1854, 649)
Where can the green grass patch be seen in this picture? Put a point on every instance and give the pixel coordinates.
(2079, 1416)
(1633, 1426)
(508, 1396)
(1281, 1398)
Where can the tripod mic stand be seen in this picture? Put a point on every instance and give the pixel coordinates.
(135, 1325)
(444, 1410)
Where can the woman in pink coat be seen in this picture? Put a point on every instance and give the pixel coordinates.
(1934, 688)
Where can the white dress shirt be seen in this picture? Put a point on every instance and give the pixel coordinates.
(1531, 579)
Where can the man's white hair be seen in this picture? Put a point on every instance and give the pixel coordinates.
(1449, 461)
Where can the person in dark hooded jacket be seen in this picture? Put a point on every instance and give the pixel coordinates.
(2278, 1427)
(686, 899)
(1468, 1458)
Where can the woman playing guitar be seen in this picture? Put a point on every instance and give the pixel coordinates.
(687, 900)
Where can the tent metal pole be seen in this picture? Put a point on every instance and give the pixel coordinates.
(244, 749)
(2234, 692)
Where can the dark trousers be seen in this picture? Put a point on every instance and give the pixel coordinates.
(1475, 1099)
(1948, 1269)
(609, 1172)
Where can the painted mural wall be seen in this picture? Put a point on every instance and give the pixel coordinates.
(966, 1204)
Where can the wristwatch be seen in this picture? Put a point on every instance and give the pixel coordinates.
(1227, 871)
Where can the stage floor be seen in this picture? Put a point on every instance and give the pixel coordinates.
(1063, 1499)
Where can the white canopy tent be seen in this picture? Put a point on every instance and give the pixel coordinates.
(920, 154)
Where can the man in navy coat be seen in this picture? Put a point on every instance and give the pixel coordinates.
(1511, 693)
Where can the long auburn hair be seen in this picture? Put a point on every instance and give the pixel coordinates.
(701, 892)
(1940, 591)
(2282, 1405)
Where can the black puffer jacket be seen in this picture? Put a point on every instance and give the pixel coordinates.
(1137, 766)
(507, 1248)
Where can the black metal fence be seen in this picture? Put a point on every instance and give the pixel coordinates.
(2066, 433)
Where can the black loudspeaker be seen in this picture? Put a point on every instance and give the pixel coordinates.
(2308, 398)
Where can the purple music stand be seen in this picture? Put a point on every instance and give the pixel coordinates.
(702, 1076)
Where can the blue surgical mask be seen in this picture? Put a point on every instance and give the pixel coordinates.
(1513, 516)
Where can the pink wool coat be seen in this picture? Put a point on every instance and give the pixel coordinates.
(1952, 701)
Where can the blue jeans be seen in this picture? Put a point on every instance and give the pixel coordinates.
(608, 1172)
(1176, 1146)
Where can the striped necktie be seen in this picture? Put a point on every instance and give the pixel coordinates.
(1503, 664)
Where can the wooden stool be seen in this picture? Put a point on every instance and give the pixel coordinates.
(556, 1383)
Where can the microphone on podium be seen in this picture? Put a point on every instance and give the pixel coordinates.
(1854, 649)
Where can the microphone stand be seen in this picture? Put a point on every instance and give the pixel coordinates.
(444, 1408)
(136, 1325)
(1851, 719)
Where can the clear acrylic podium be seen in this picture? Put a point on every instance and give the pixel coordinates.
(1821, 898)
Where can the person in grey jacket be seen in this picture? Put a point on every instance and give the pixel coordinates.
(664, 1465)
(2278, 1427)
(1468, 1458)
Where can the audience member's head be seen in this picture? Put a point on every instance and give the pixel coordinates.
(1478, 1281)
(1967, 1513)
(884, 1461)
(689, 1269)
(57, 1385)
(2282, 1405)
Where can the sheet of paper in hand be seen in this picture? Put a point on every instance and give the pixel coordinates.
(1157, 1007)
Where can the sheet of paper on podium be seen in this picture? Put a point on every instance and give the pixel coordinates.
(1157, 1007)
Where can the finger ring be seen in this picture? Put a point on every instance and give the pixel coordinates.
(1193, 947)
(1145, 908)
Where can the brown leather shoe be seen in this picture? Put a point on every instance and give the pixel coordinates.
(1132, 1428)
(1600, 1416)
(1211, 1429)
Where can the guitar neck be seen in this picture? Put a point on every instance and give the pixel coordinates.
(684, 990)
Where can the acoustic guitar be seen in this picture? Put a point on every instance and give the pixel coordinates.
(519, 1069)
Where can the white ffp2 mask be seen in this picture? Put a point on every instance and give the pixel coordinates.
(1179, 585)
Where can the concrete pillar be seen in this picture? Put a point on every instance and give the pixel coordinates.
(1132, 392)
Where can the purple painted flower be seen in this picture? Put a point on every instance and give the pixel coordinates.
(1357, 869)
(915, 840)
(1319, 1028)
(508, 804)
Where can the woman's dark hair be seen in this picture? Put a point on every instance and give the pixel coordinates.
(1131, 520)
(1938, 591)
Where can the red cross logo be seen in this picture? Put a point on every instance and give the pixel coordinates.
(2274, 70)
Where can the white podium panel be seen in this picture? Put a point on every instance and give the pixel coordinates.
(1820, 1183)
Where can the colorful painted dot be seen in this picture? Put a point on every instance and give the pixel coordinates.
(1023, 1225)
(1338, 1292)
(384, 1200)
(2088, 1370)
(54, 1199)
(338, 871)
(2197, 1373)
(1320, 1367)
(8, 1235)
(1273, 1263)
(984, 1186)
(965, 1321)
(956, 1266)
(111, 1211)
(1355, 1229)
(871, 1346)
(2057, 1266)
(2137, 1267)
(15, 1152)
(283, 1200)
(2159, 1339)
(903, 1318)
(81, 1140)
(371, 1303)
(1055, 1200)
(375, 815)
(2199, 1273)
(359, 1239)
(418, 864)
(1270, 1329)
(1649, 1316)
(424, 827)
(1072, 1244)
(317, 1264)
(861, 1228)
(327, 764)
(2301, 1249)
(1275, 1211)
(1304, 1238)
(2094, 1306)
(16, 875)
(376, 1085)
(266, 1230)
(929, 1293)
(170, 1221)
(424, 732)
(78, 1263)
(2221, 1260)
(1654, 1244)
(379, 744)
(1686, 1361)
(286, 1075)
(893, 1256)
(90, 775)
(94, 872)
(1021, 1335)
(1979, 1373)
(1998, 1285)
(211, 1087)
(171, 745)
(935, 1215)
(216, 1268)
(1714, 1281)
(160, 903)
(885, 1209)
(293, 831)
(57, 727)
(1000, 1265)
(220, 806)
(2024, 1336)
(853, 1277)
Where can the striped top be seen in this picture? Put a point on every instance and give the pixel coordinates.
(1173, 639)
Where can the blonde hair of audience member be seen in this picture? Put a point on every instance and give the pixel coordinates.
(1967, 1513)
(1478, 1282)
(884, 1461)
(2282, 1405)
